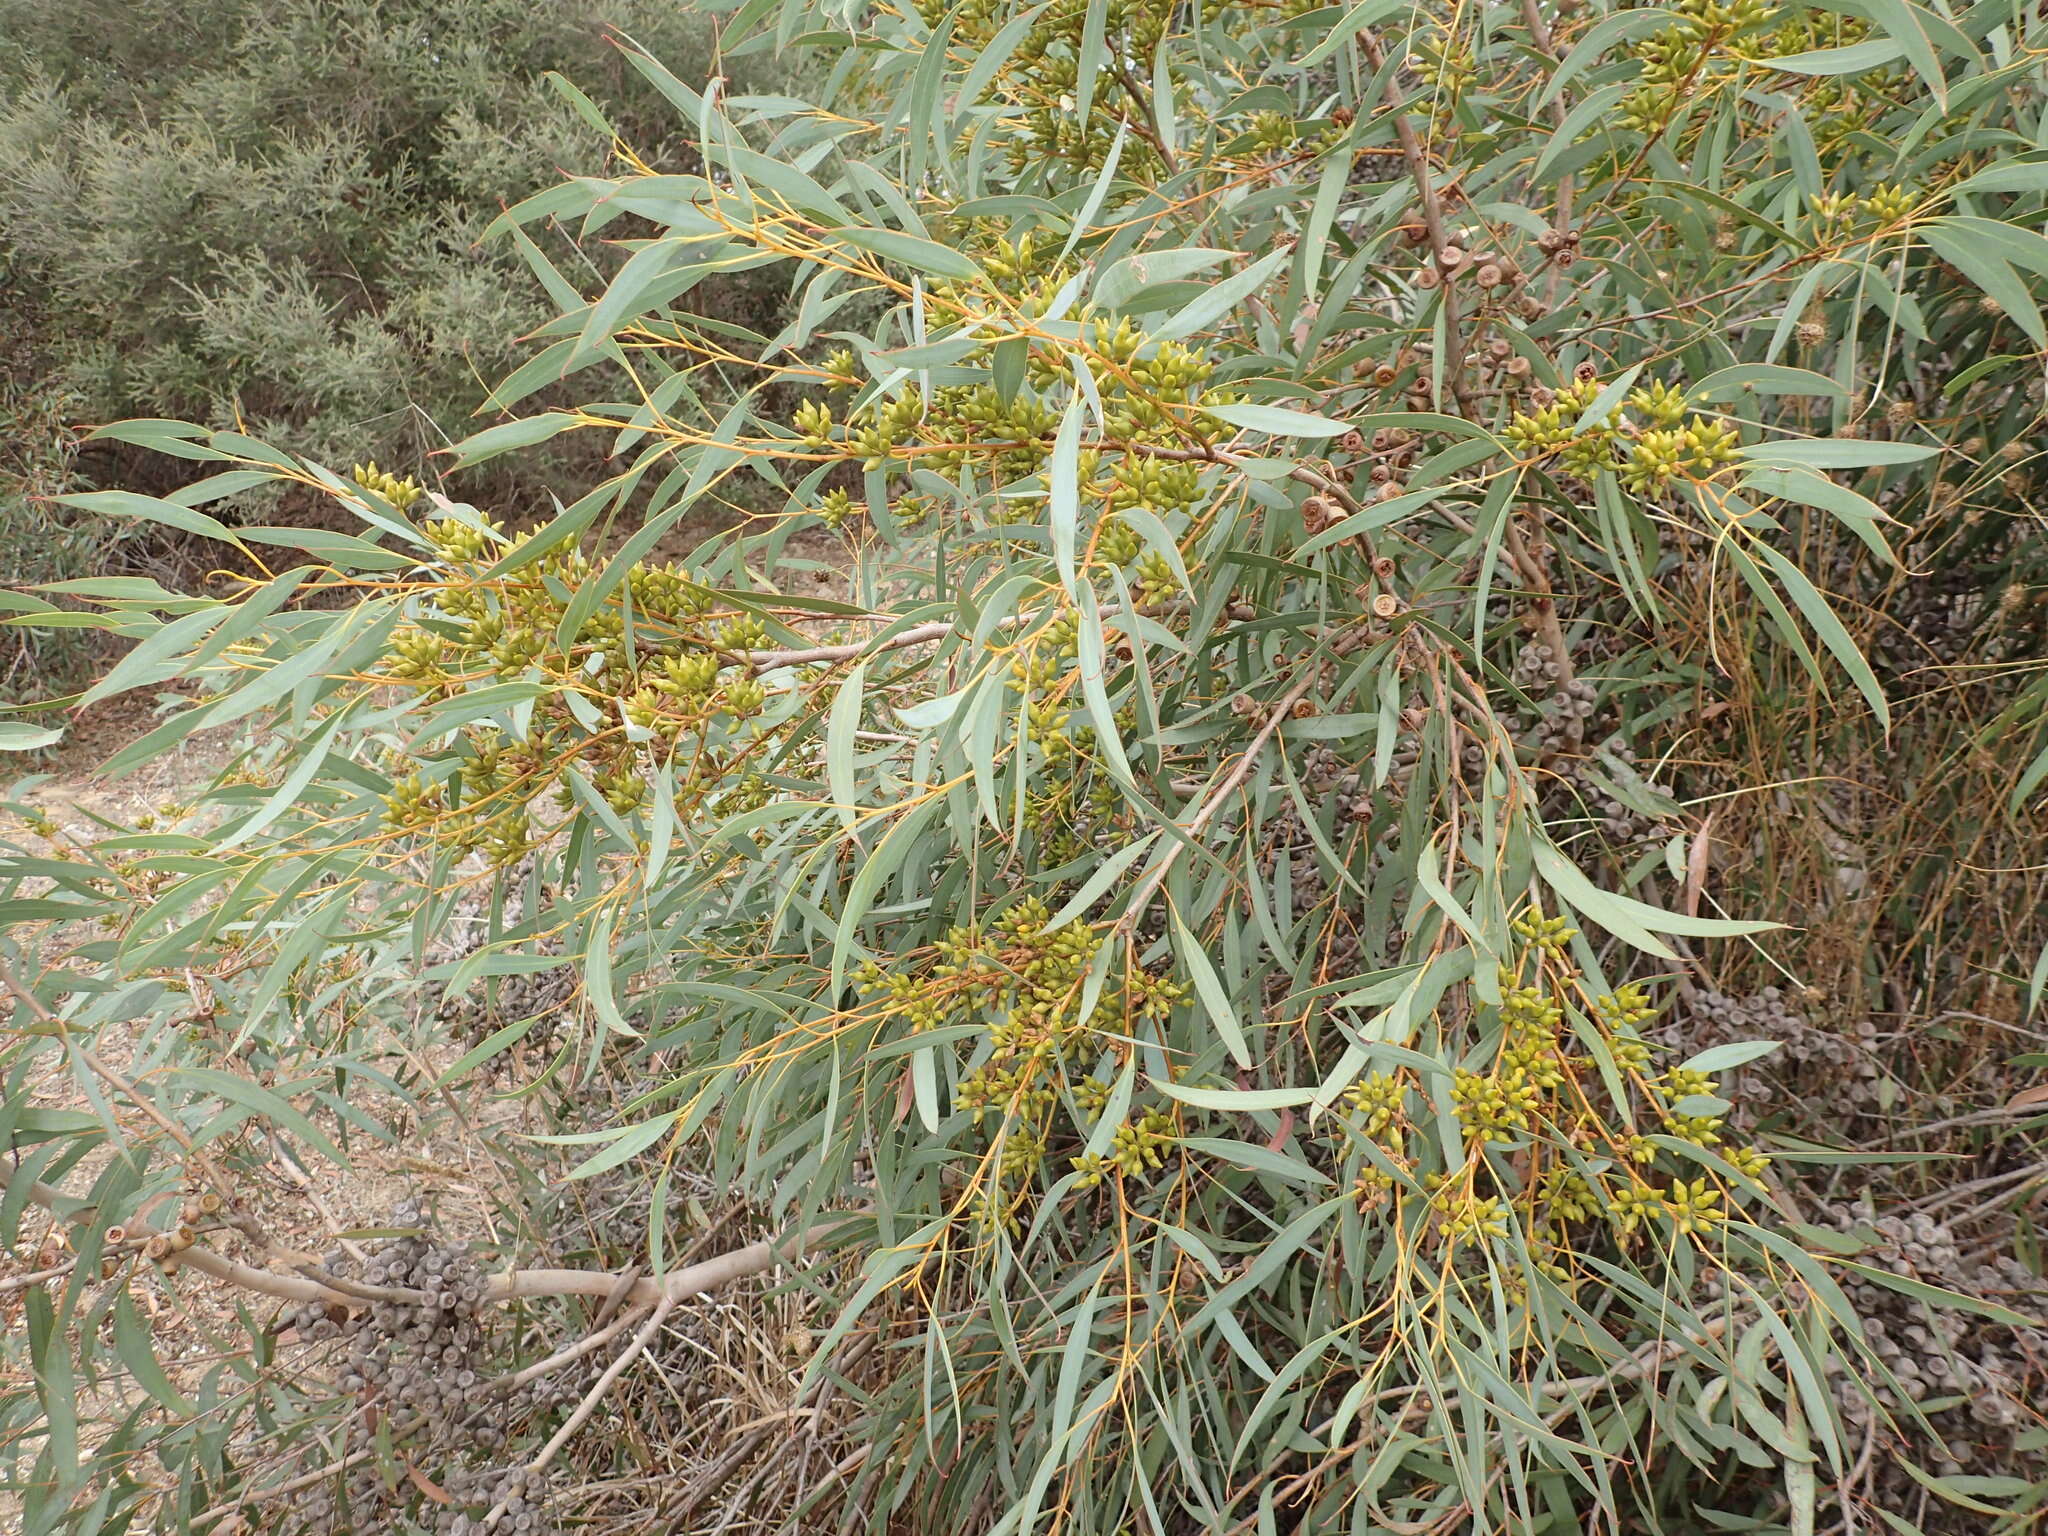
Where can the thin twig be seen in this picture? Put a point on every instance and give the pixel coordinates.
(1451, 368)
(612, 1372)
(38, 1277)
(404, 1295)
(588, 1406)
(308, 1479)
(514, 1380)
(1561, 223)
(120, 1084)
(1543, 608)
(1147, 130)
(511, 1285)
(1282, 711)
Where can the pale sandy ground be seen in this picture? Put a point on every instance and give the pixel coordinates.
(192, 1322)
(451, 1165)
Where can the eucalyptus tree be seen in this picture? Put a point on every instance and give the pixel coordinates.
(1181, 946)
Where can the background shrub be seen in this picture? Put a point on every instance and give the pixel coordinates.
(269, 214)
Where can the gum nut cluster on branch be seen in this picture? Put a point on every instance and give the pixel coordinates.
(1021, 979)
(1041, 78)
(657, 661)
(1666, 444)
(423, 1354)
(1587, 1180)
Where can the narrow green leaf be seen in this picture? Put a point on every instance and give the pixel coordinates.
(1831, 630)
(1277, 421)
(524, 433)
(926, 256)
(1211, 306)
(151, 509)
(840, 746)
(1835, 453)
(16, 736)
(1209, 989)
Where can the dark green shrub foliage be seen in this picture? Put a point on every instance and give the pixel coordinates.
(269, 214)
(271, 211)
(1397, 567)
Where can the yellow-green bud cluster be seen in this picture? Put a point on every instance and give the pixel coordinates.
(412, 803)
(1462, 1215)
(1272, 131)
(1376, 1100)
(1443, 60)
(1494, 1106)
(1136, 1147)
(401, 494)
(1553, 934)
(1658, 456)
(459, 542)
(1888, 202)
(813, 423)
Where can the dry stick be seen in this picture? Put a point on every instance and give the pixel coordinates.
(1532, 568)
(1543, 608)
(1976, 1117)
(514, 1380)
(1147, 129)
(263, 1281)
(707, 1482)
(302, 1181)
(1561, 224)
(399, 1432)
(741, 1495)
(821, 655)
(307, 1479)
(1857, 1474)
(1453, 366)
(15, 1283)
(628, 1278)
(709, 1275)
(511, 1285)
(588, 1406)
(1958, 1192)
(1281, 712)
(404, 1295)
(768, 661)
